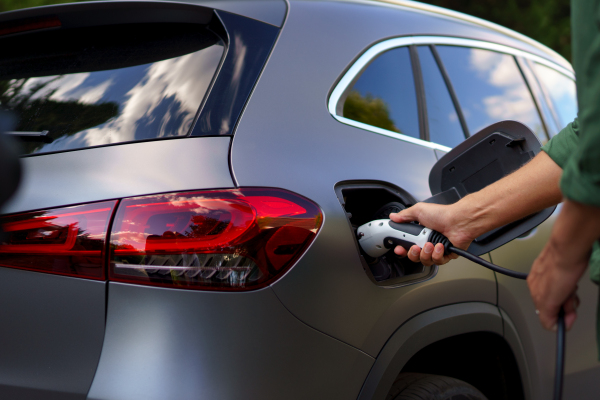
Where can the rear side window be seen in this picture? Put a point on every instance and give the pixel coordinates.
(108, 84)
(561, 91)
(384, 94)
(490, 88)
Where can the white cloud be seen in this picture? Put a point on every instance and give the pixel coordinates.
(514, 100)
(186, 78)
(558, 84)
(95, 94)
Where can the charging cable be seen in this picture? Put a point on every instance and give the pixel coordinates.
(379, 236)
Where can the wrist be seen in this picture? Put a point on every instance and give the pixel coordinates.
(471, 218)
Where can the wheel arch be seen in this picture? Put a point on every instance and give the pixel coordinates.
(434, 327)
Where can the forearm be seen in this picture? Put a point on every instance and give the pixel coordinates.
(530, 189)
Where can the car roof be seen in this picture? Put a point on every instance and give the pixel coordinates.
(270, 11)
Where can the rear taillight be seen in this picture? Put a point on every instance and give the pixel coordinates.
(237, 239)
(66, 241)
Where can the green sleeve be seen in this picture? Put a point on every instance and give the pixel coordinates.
(580, 181)
(563, 145)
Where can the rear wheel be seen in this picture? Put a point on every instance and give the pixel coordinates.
(413, 386)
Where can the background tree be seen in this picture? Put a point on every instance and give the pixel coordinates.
(547, 21)
(8, 5)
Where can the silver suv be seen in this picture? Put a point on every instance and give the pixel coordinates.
(193, 172)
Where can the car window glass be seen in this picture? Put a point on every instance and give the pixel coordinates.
(542, 100)
(95, 86)
(444, 125)
(384, 94)
(490, 88)
(561, 90)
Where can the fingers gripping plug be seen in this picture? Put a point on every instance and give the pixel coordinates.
(377, 237)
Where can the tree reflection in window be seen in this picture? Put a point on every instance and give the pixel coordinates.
(40, 113)
(369, 110)
(384, 94)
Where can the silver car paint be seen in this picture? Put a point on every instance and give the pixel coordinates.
(51, 334)
(177, 344)
(121, 171)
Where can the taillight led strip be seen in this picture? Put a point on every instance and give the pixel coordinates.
(232, 239)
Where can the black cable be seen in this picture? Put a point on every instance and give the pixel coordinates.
(560, 355)
(560, 335)
(487, 264)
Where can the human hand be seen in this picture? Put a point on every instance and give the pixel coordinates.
(446, 219)
(553, 284)
(556, 271)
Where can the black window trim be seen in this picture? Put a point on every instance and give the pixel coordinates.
(532, 93)
(450, 88)
(420, 93)
(545, 94)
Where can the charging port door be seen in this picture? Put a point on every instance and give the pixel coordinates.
(482, 159)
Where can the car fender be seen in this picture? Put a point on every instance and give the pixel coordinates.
(514, 342)
(424, 329)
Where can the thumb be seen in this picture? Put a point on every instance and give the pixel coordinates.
(407, 215)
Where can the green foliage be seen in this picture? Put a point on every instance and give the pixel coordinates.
(369, 110)
(547, 21)
(8, 5)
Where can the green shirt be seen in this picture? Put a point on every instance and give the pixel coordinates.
(563, 149)
(577, 147)
(581, 177)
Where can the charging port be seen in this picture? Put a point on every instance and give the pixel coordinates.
(365, 201)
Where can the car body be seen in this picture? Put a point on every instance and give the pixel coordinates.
(328, 326)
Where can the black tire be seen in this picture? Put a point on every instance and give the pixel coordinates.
(412, 386)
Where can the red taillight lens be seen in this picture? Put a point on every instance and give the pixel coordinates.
(66, 241)
(237, 239)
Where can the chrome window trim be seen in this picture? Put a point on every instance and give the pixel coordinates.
(379, 48)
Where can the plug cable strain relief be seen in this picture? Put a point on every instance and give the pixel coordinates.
(435, 237)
